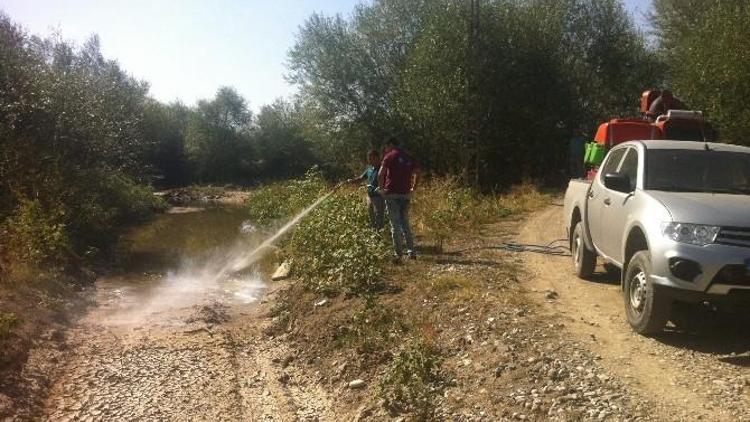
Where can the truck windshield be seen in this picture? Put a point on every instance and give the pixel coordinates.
(698, 171)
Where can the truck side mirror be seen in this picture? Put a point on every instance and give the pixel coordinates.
(617, 182)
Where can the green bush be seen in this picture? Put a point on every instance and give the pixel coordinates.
(374, 327)
(8, 321)
(34, 235)
(334, 249)
(414, 381)
(107, 203)
(282, 200)
(44, 235)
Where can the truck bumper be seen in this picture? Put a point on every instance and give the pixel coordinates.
(724, 272)
(736, 298)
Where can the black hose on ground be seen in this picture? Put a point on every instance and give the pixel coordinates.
(548, 249)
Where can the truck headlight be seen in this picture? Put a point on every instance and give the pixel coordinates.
(694, 234)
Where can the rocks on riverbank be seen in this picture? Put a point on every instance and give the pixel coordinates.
(180, 197)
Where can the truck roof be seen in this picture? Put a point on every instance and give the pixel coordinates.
(691, 145)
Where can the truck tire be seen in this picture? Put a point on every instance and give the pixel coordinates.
(647, 308)
(584, 260)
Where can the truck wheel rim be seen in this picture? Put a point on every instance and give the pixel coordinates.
(577, 253)
(638, 292)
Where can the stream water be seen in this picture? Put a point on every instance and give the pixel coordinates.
(184, 259)
(178, 261)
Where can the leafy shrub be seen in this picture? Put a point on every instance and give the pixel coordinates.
(8, 321)
(281, 200)
(414, 381)
(334, 249)
(44, 235)
(103, 206)
(34, 236)
(374, 327)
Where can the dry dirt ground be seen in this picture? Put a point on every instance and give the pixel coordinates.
(521, 339)
(205, 362)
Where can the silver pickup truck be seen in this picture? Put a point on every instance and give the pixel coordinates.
(674, 216)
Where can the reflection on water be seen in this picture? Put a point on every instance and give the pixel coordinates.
(169, 239)
(176, 261)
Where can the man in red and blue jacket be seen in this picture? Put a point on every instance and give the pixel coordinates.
(397, 179)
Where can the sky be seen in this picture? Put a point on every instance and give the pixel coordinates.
(187, 49)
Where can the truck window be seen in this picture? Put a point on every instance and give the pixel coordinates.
(710, 171)
(629, 167)
(612, 163)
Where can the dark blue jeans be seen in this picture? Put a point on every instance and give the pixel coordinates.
(398, 214)
(376, 209)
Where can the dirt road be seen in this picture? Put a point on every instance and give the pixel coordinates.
(702, 375)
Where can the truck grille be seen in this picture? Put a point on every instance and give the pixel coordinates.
(734, 236)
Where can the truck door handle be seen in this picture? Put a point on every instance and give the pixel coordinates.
(607, 201)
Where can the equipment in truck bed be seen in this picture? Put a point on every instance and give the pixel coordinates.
(661, 119)
(685, 125)
(615, 132)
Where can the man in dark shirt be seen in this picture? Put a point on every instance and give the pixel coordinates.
(397, 179)
(375, 202)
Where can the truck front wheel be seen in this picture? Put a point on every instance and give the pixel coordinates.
(583, 259)
(647, 308)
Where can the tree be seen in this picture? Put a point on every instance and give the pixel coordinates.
(217, 139)
(706, 51)
(492, 93)
(280, 142)
(166, 125)
(489, 90)
(348, 71)
(72, 150)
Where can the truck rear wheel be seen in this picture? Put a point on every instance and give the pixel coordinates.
(584, 260)
(647, 308)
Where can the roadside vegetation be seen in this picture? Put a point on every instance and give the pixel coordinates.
(337, 258)
(414, 382)
(8, 321)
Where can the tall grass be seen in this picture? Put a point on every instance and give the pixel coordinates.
(443, 207)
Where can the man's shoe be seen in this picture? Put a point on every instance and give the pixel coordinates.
(412, 255)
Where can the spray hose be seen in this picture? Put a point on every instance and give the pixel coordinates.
(548, 249)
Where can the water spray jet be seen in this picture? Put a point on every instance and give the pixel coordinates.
(224, 275)
(242, 262)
